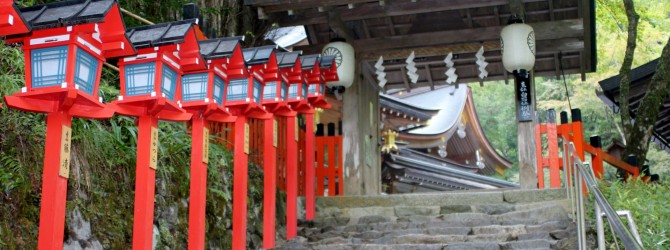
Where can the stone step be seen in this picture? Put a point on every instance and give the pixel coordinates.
(401, 210)
(474, 245)
(477, 197)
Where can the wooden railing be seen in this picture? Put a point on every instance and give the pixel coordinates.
(572, 132)
(329, 165)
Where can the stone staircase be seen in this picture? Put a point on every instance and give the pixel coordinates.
(501, 219)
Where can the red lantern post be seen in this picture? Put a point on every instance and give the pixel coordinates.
(275, 100)
(203, 95)
(297, 100)
(150, 91)
(64, 56)
(244, 99)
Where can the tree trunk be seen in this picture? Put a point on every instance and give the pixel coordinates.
(639, 132)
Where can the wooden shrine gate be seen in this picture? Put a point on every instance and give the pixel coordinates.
(571, 132)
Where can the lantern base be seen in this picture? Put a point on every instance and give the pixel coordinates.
(210, 111)
(300, 106)
(280, 108)
(319, 102)
(251, 110)
(53, 99)
(160, 107)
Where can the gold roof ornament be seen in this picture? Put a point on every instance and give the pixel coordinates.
(389, 142)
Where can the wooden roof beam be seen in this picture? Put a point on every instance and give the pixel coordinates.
(395, 8)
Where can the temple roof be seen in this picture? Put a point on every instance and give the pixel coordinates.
(66, 13)
(411, 171)
(160, 34)
(640, 78)
(453, 125)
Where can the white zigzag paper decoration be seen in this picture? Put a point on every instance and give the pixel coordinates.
(411, 69)
(381, 76)
(481, 61)
(451, 71)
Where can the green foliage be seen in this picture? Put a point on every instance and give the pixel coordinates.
(648, 204)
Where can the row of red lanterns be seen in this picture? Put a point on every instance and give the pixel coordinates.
(170, 72)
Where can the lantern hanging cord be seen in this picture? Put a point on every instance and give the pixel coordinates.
(567, 93)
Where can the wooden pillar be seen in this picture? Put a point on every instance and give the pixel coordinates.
(54, 181)
(291, 177)
(360, 127)
(145, 182)
(524, 90)
(240, 178)
(269, 181)
(198, 185)
(310, 208)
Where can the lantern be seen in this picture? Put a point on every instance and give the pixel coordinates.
(277, 94)
(151, 91)
(517, 42)
(64, 54)
(11, 22)
(344, 59)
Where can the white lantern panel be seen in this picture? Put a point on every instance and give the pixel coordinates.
(169, 83)
(270, 91)
(194, 87)
(517, 42)
(345, 60)
(218, 90)
(258, 89)
(237, 90)
(293, 91)
(139, 78)
(86, 71)
(48, 66)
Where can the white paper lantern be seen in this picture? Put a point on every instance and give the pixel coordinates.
(345, 59)
(517, 42)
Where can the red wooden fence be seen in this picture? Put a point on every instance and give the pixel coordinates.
(571, 132)
(329, 165)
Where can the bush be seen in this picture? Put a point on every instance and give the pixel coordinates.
(649, 206)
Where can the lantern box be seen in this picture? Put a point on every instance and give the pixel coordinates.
(246, 94)
(276, 93)
(65, 53)
(152, 77)
(205, 90)
(11, 22)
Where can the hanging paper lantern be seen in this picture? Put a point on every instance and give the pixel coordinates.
(345, 60)
(517, 42)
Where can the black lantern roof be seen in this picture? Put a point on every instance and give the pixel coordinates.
(258, 55)
(66, 13)
(160, 34)
(219, 48)
(326, 61)
(309, 61)
(287, 59)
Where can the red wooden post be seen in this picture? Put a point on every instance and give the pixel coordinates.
(198, 185)
(240, 176)
(54, 183)
(320, 169)
(309, 165)
(597, 158)
(331, 166)
(269, 181)
(538, 154)
(577, 133)
(552, 140)
(340, 169)
(145, 180)
(291, 178)
(564, 132)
